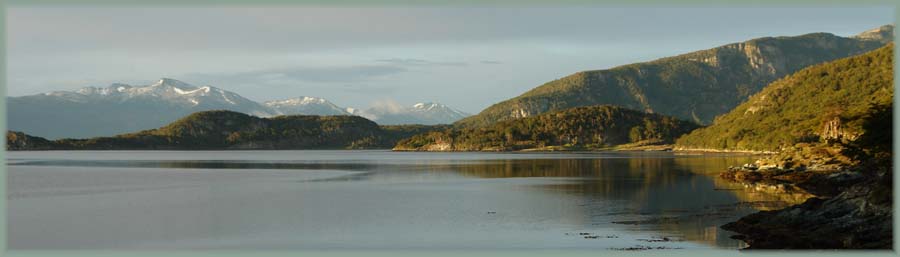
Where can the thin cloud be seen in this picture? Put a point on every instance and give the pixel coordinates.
(491, 62)
(343, 74)
(419, 62)
(387, 106)
(367, 89)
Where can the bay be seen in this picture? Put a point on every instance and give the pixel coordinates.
(163, 200)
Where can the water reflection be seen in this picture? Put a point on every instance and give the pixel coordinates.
(203, 164)
(675, 195)
(671, 195)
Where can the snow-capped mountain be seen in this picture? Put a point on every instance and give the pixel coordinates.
(122, 108)
(305, 105)
(420, 113)
(438, 111)
(119, 108)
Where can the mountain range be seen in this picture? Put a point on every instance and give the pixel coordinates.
(696, 86)
(121, 108)
(386, 114)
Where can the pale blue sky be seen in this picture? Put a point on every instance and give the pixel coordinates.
(466, 57)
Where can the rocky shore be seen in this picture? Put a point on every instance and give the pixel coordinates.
(858, 218)
(848, 206)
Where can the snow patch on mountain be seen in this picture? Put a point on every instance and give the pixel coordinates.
(305, 105)
(427, 113)
(183, 92)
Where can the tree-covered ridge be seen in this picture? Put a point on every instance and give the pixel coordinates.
(592, 127)
(16, 140)
(697, 86)
(826, 102)
(233, 130)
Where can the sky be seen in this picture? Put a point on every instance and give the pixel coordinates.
(467, 57)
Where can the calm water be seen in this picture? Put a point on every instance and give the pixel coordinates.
(371, 199)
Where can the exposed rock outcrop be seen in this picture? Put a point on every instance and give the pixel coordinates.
(860, 217)
(881, 34)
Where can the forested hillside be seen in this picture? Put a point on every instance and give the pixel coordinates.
(591, 127)
(826, 102)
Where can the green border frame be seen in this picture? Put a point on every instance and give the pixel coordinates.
(400, 252)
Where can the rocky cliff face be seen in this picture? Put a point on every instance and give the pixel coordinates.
(696, 86)
(833, 131)
(882, 34)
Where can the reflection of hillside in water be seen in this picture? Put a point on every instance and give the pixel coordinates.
(712, 166)
(680, 194)
(615, 177)
(205, 164)
(631, 178)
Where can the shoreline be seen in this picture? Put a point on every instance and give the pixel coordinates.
(529, 150)
(620, 148)
(710, 150)
(844, 208)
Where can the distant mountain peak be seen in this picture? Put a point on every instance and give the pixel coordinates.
(305, 105)
(173, 83)
(123, 107)
(300, 100)
(428, 105)
(427, 113)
